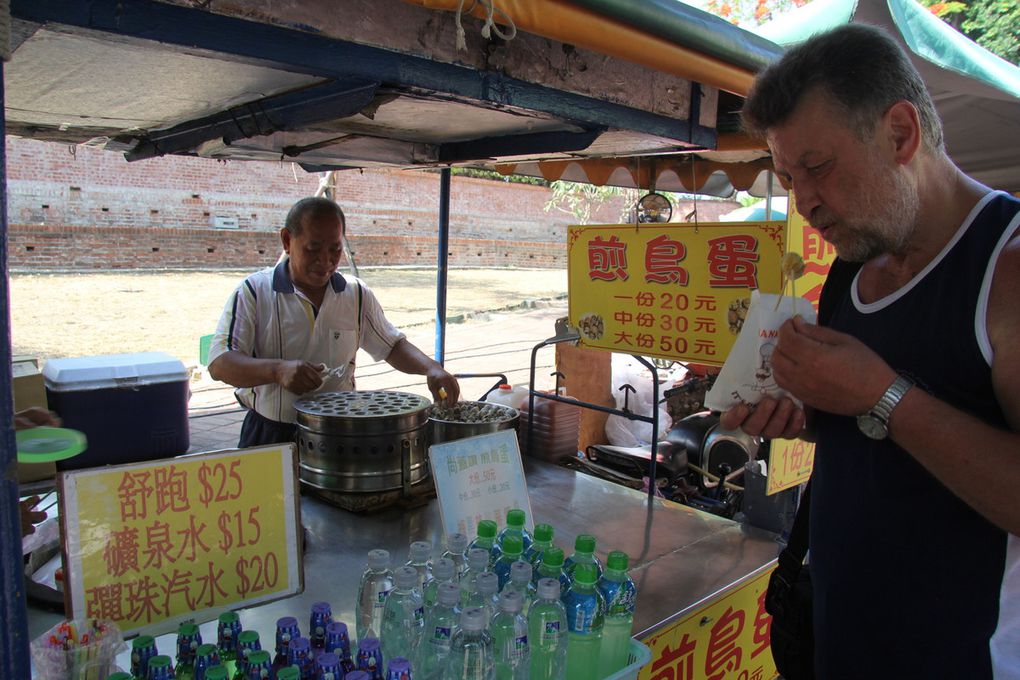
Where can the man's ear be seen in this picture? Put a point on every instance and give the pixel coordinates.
(285, 239)
(904, 126)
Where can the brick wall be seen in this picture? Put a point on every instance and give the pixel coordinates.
(77, 207)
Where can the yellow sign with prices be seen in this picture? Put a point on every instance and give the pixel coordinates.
(726, 638)
(150, 545)
(674, 291)
(791, 462)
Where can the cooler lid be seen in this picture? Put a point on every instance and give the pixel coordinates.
(112, 370)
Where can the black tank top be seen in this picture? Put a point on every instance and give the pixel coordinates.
(907, 576)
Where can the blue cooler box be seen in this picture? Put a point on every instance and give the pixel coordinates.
(131, 407)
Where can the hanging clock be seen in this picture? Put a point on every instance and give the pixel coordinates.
(653, 207)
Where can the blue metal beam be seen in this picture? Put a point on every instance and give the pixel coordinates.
(442, 264)
(304, 52)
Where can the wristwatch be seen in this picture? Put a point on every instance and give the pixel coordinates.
(875, 423)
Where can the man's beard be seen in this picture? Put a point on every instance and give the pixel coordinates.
(884, 221)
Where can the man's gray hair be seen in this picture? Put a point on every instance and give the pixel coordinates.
(862, 69)
(314, 207)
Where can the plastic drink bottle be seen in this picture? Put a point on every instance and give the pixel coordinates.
(338, 641)
(321, 616)
(515, 520)
(478, 562)
(443, 571)
(547, 632)
(143, 648)
(188, 640)
(509, 631)
(399, 668)
(258, 665)
(327, 666)
(357, 675)
(456, 550)
(288, 673)
(543, 541)
(520, 581)
(370, 658)
(403, 615)
(217, 673)
(552, 567)
(471, 653)
(161, 667)
(206, 656)
(228, 628)
(584, 553)
(418, 556)
(286, 630)
(621, 596)
(485, 594)
(376, 583)
(440, 624)
(586, 615)
(299, 653)
(247, 642)
(486, 538)
(511, 551)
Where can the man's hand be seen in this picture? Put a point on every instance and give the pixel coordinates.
(443, 385)
(35, 417)
(825, 369)
(298, 377)
(30, 517)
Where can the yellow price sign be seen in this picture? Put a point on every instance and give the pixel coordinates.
(790, 464)
(149, 545)
(669, 290)
(727, 638)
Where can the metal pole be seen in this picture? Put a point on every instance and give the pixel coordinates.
(14, 658)
(442, 263)
(768, 195)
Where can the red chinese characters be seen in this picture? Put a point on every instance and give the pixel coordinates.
(607, 260)
(732, 262)
(663, 256)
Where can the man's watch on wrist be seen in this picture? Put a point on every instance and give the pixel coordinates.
(875, 423)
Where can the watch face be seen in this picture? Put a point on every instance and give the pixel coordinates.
(654, 208)
(871, 426)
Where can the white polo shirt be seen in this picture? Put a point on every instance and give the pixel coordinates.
(268, 318)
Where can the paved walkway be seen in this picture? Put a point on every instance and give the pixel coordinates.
(488, 343)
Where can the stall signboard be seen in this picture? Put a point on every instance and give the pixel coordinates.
(726, 638)
(150, 545)
(790, 464)
(671, 290)
(479, 478)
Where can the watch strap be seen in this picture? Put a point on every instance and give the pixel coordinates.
(889, 400)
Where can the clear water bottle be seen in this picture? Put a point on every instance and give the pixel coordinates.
(440, 625)
(376, 583)
(443, 571)
(586, 616)
(621, 596)
(552, 567)
(471, 653)
(478, 563)
(509, 631)
(456, 550)
(403, 616)
(543, 541)
(486, 539)
(512, 550)
(547, 632)
(515, 521)
(584, 553)
(520, 581)
(485, 595)
(418, 556)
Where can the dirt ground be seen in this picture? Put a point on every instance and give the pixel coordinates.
(67, 315)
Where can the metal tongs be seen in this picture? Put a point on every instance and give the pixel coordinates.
(337, 372)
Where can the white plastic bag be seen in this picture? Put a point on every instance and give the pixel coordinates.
(746, 376)
(619, 430)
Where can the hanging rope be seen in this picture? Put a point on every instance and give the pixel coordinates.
(490, 26)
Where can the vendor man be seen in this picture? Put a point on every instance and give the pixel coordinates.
(295, 328)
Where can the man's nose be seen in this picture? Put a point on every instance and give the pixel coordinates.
(806, 198)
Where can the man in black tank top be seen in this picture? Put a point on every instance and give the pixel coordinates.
(912, 388)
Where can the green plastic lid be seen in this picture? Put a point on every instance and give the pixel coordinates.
(247, 638)
(143, 641)
(543, 532)
(584, 544)
(515, 518)
(585, 574)
(259, 657)
(618, 561)
(48, 444)
(228, 617)
(120, 675)
(512, 544)
(487, 529)
(219, 672)
(159, 661)
(285, 673)
(187, 629)
(207, 649)
(553, 557)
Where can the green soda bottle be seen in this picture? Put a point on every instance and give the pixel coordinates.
(584, 553)
(511, 550)
(543, 541)
(586, 617)
(188, 641)
(120, 675)
(621, 596)
(552, 567)
(486, 539)
(515, 520)
(247, 642)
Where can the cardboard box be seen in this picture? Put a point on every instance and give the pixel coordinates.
(30, 390)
